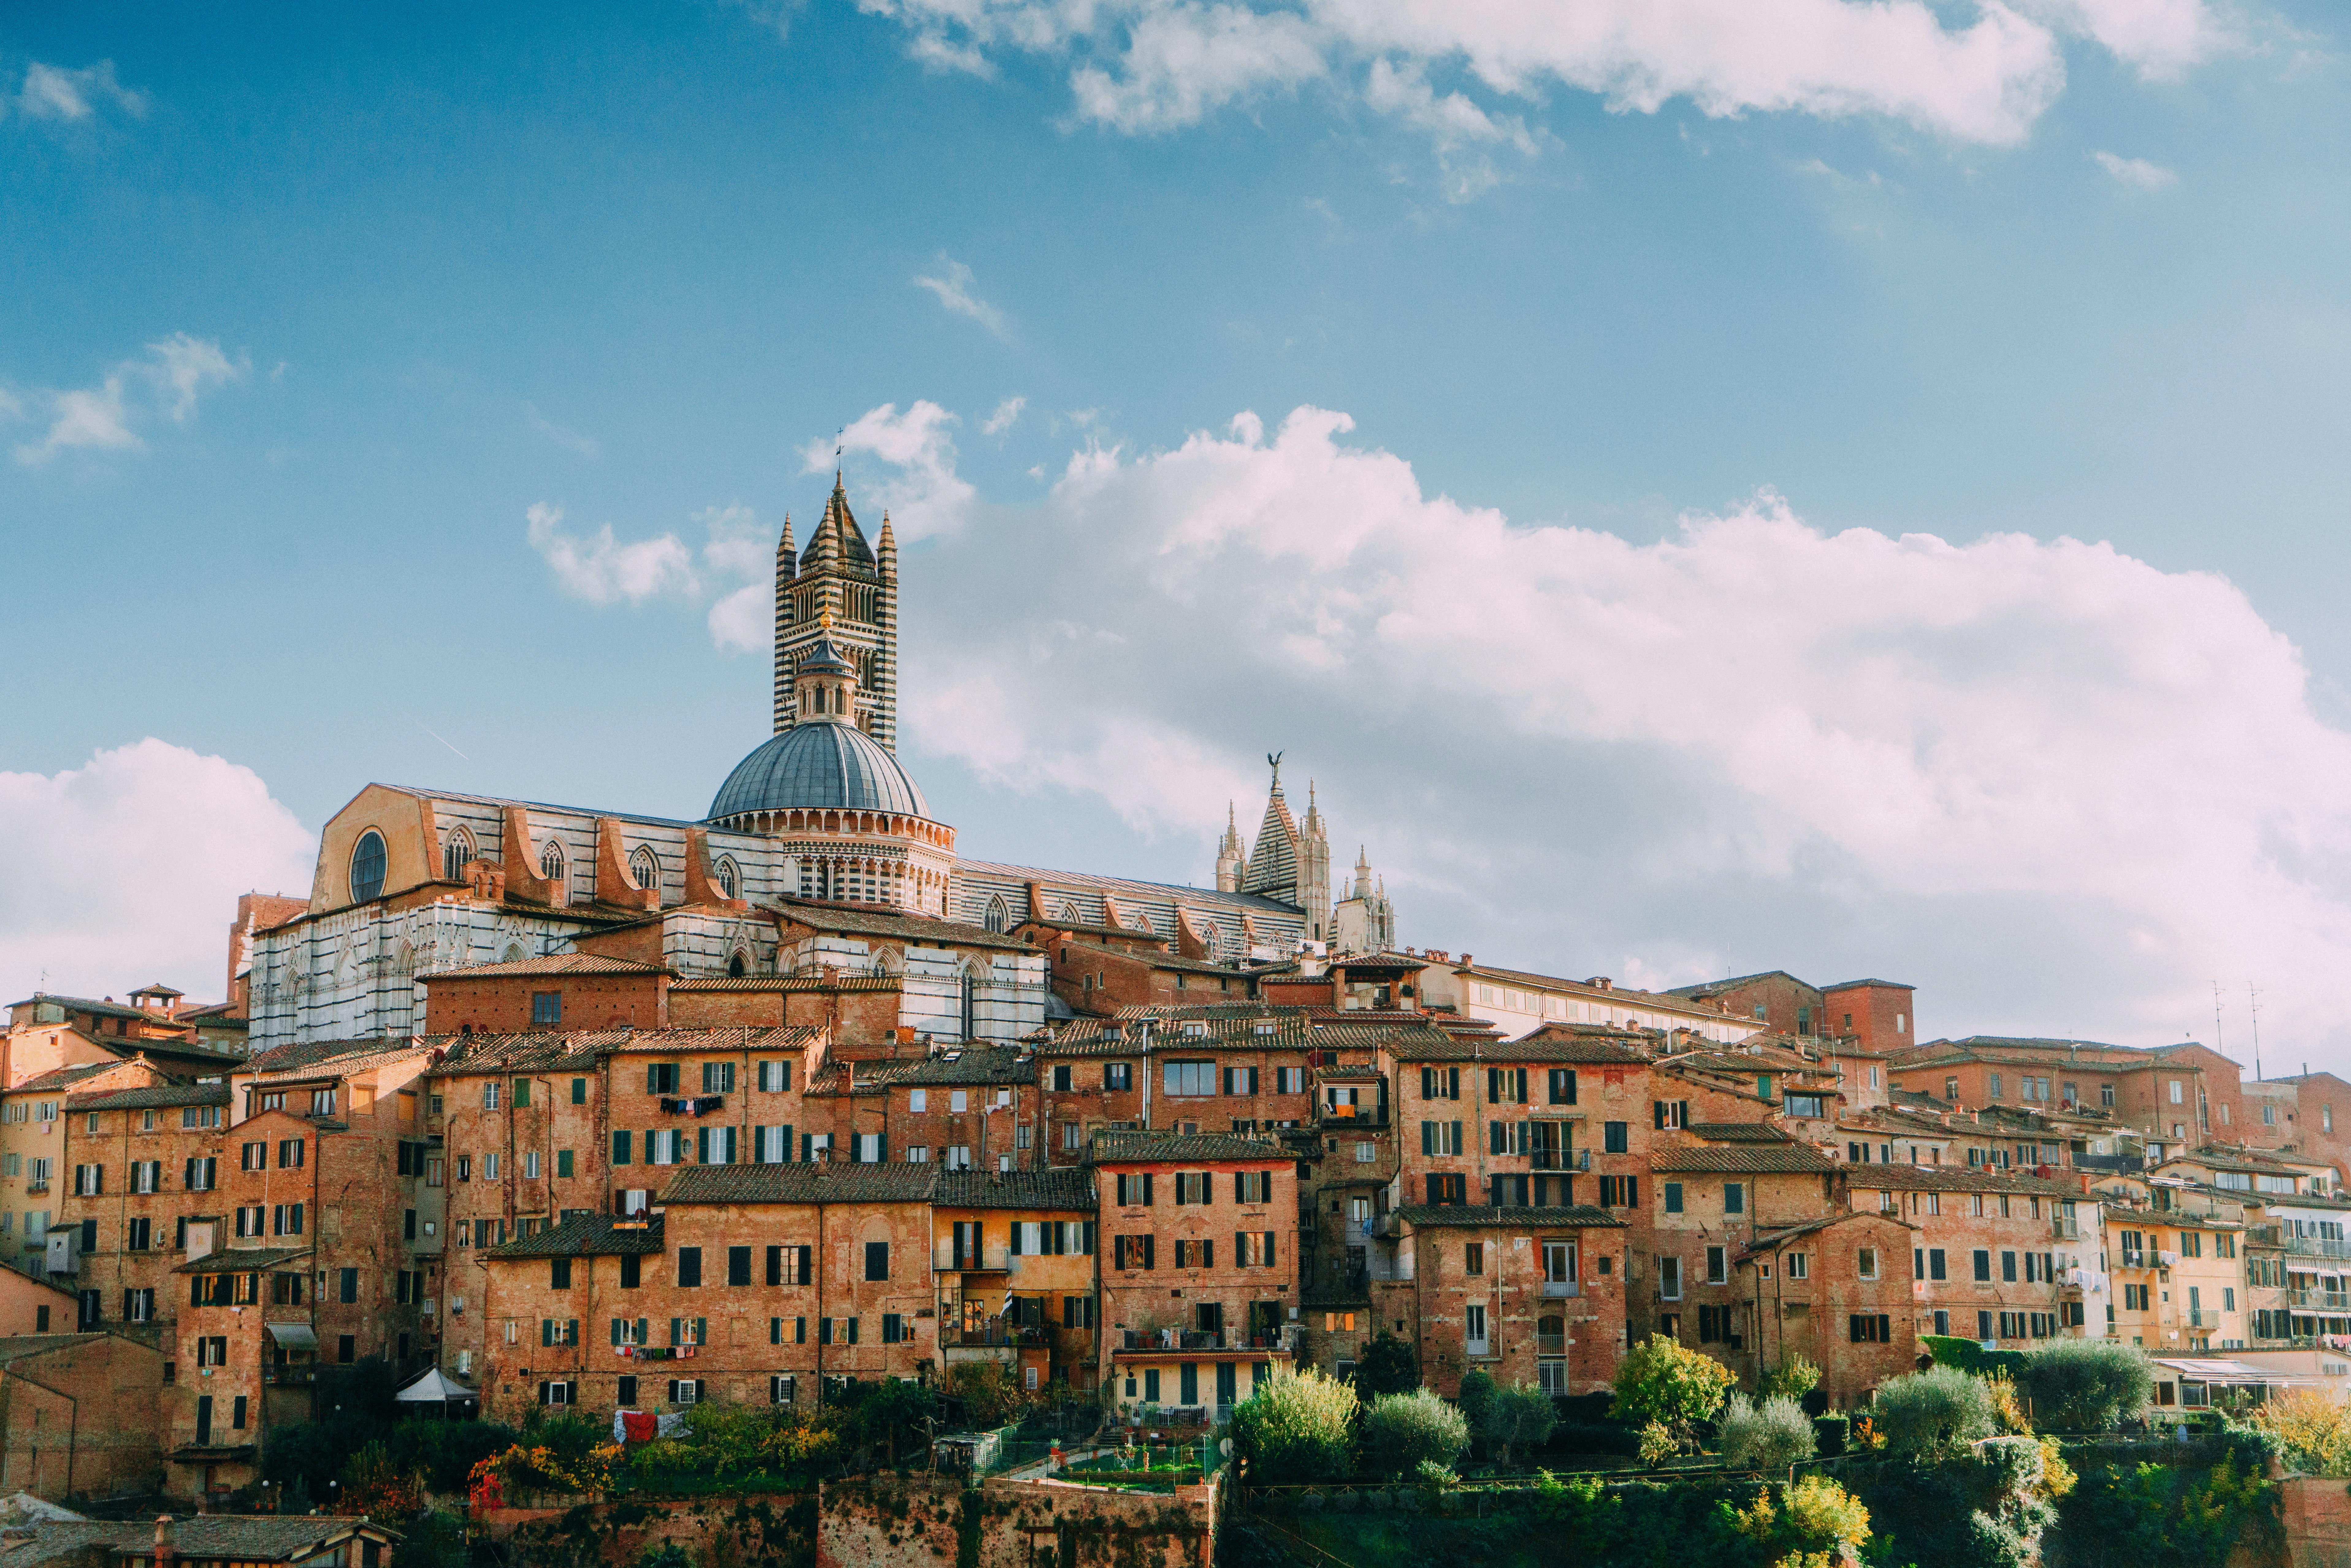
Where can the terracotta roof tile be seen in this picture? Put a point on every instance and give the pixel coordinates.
(1485, 1217)
(819, 1182)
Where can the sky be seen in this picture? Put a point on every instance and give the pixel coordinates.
(1694, 487)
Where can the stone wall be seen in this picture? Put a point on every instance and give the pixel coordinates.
(928, 1522)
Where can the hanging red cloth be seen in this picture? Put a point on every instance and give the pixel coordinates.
(641, 1425)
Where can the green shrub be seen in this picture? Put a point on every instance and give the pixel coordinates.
(1402, 1429)
(2310, 1433)
(2087, 1384)
(1298, 1427)
(1386, 1366)
(1517, 1419)
(1969, 1356)
(1771, 1436)
(1795, 1377)
(1475, 1398)
(1931, 1411)
(1660, 1381)
(1831, 1434)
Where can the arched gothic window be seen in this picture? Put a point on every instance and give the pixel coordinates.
(645, 866)
(727, 878)
(1211, 941)
(457, 854)
(739, 964)
(367, 867)
(998, 917)
(1070, 912)
(550, 861)
(513, 954)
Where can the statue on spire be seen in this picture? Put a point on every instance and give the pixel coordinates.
(1273, 760)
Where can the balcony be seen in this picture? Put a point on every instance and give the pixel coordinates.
(1561, 1287)
(2316, 1247)
(2206, 1318)
(2065, 1230)
(996, 1335)
(986, 1260)
(1551, 1344)
(1173, 1338)
(2131, 1260)
(2320, 1301)
(1561, 1159)
(289, 1376)
(36, 1186)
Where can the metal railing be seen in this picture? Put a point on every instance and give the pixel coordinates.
(2325, 1300)
(1173, 1338)
(953, 1336)
(986, 1260)
(1561, 1159)
(1561, 1287)
(1551, 1344)
(2201, 1319)
(2065, 1230)
(2316, 1247)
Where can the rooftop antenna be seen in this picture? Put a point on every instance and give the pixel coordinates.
(2253, 1006)
(2218, 1039)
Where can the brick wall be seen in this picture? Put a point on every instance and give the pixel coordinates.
(922, 1522)
(1500, 1268)
(506, 1004)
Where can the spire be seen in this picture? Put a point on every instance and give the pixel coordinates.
(784, 550)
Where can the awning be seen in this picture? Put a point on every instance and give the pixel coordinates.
(434, 1389)
(293, 1336)
(2196, 1370)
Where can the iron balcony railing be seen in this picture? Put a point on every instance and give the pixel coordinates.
(2323, 1300)
(2317, 1247)
(1551, 1344)
(1179, 1339)
(996, 1335)
(2202, 1319)
(1561, 1159)
(2065, 1230)
(1561, 1287)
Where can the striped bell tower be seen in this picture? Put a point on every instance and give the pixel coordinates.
(856, 585)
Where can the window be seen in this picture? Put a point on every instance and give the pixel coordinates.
(2174, 1091)
(1992, 1086)
(545, 1012)
(1448, 1187)
(689, 1266)
(1799, 1266)
(1562, 1086)
(1865, 1263)
(190, 1116)
(1870, 1327)
(1440, 1083)
(1718, 1266)
(530, 1165)
(1669, 1279)
(1473, 1258)
(660, 1077)
(1670, 1114)
(550, 861)
(775, 1077)
(1802, 1105)
(1734, 1198)
(1672, 1197)
(718, 1078)
(877, 1259)
(1616, 1137)
(1620, 1192)
(1189, 1077)
(347, 1285)
(1440, 1137)
(1240, 1079)
(367, 867)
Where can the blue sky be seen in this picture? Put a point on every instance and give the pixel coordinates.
(302, 314)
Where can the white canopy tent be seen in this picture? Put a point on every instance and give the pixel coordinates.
(436, 1389)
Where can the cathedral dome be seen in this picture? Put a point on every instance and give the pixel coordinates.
(819, 764)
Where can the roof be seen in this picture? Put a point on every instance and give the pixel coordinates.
(1605, 1047)
(819, 1182)
(875, 920)
(1053, 882)
(159, 1095)
(1171, 962)
(585, 1236)
(501, 1052)
(57, 1077)
(552, 964)
(1760, 1159)
(1739, 1133)
(1773, 1240)
(2026, 1049)
(1485, 1217)
(322, 1058)
(1614, 993)
(822, 763)
(1710, 987)
(841, 982)
(1069, 1188)
(248, 1537)
(1857, 985)
(1953, 1179)
(1128, 1148)
(2240, 1158)
(91, 1005)
(241, 1259)
(966, 1064)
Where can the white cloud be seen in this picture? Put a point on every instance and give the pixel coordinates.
(1147, 65)
(2057, 787)
(926, 495)
(175, 370)
(52, 92)
(602, 569)
(954, 290)
(127, 869)
(1007, 414)
(1460, 130)
(563, 435)
(2135, 171)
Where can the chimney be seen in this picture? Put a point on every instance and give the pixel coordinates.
(163, 1553)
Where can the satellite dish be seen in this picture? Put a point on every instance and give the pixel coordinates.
(1226, 1447)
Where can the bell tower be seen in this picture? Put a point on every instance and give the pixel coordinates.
(841, 593)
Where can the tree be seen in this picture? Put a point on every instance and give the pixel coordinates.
(989, 1391)
(1403, 1430)
(2087, 1385)
(1795, 1377)
(1475, 1398)
(1517, 1419)
(1386, 1366)
(1932, 1411)
(1659, 1381)
(1768, 1436)
(1301, 1426)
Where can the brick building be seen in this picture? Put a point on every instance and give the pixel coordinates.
(2008, 1258)
(140, 1162)
(563, 991)
(1834, 1288)
(245, 1360)
(1198, 1261)
(1716, 1190)
(78, 1411)
(1528, 1294)
(1013, 1255)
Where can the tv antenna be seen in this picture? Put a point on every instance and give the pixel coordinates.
(2253, 1006)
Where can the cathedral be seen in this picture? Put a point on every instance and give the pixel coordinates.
(815, 843)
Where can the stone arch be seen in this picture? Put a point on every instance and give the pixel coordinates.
(457, 853)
